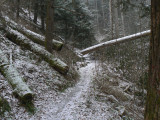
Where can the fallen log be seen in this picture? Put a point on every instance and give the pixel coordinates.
(14, 78)
(37, 38)
(21, 40)
(115, 41)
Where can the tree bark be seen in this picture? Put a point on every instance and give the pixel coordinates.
(14, 78)
(111, 18)
(35, 11)
(116, 19)
(49, 25)
(97, 17)
(21, 40)
(87, 3)
(115, 41)
(152, 111)
(42, 15)
(122, 20)
(18, 8)
(103, 15)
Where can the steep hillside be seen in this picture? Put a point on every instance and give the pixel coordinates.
(39, 75)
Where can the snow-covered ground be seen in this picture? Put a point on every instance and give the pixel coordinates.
(76, 103)
(79, 102)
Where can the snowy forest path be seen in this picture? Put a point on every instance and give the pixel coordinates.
(67, 103)
(78, 102)
(78, 94)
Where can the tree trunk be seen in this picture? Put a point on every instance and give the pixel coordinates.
(152, 111)
(42, 15)
(122, 20)
(111, 18)
(37, 38)
(97, 16)
(35, 11)
(103, 13)
(18, 4)
(12, 5)
(116, 41)
(73, 3)
(15, 79)
(21, 40)
(49, 25)
(29, 8)
(116, 19)
(87, 3)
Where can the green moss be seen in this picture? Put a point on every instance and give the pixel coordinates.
(4, 106)
(29, 106)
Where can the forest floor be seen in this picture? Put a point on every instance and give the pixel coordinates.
(75, 103)
(79, 102)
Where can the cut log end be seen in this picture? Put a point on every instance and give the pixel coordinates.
(57, 45)
(63, 70)
(60, 66)
(27, 97)
(24, 97)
